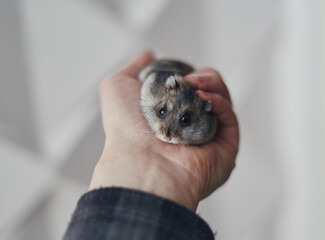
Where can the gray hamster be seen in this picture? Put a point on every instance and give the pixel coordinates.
(171, 107)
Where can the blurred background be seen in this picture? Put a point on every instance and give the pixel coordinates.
(54, 54)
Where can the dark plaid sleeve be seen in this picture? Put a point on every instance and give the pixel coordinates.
(124, 214)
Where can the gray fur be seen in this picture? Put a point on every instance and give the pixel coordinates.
(159, 91)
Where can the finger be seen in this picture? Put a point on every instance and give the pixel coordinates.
(137, 64)
(227, 120)
(209, 80)
(220, 107)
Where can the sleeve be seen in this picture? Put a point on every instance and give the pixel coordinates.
(125, 214)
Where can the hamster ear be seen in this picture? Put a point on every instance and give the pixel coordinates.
(207, 106)
(171, 82)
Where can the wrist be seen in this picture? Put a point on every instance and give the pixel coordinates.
(145, 170)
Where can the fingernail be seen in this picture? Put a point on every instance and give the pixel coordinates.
(200, 93)
(191, 77)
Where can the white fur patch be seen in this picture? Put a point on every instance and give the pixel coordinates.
(165, 139)
(147, 99)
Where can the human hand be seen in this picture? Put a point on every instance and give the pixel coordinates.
(134, 158)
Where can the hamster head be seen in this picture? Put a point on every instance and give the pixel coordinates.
(174, 112)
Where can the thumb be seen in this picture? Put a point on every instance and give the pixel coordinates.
(137, 64)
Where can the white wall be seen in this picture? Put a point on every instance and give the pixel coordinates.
(53, 54)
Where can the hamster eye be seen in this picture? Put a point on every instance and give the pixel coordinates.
(185, 120)
(162, 112)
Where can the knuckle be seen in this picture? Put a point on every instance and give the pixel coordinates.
(106, 84)
(212, 71)
(214, 75)
(200, 82)
(109, 83)
(102, 86)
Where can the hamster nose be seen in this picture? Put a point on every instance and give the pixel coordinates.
(168, 133)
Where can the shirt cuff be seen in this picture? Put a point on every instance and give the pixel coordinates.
(120, 213)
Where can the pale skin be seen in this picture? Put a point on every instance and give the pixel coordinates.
(134, 158)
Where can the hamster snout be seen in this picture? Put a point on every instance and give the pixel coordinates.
(171, 107)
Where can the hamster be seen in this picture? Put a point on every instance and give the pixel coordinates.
(171, 107)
